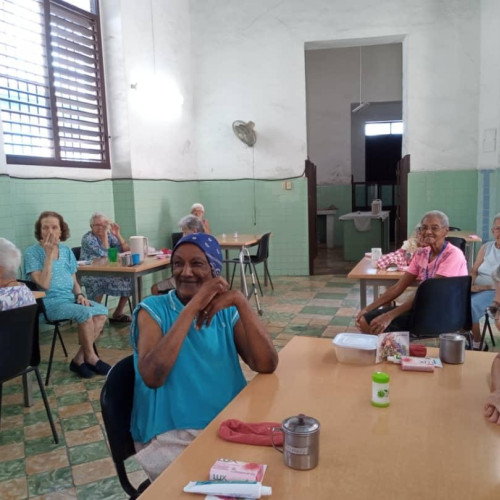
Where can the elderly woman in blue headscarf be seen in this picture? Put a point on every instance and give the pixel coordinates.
(186, 346)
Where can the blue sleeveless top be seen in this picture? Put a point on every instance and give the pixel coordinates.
(205, 378)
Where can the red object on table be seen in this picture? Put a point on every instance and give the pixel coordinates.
(257, 433)
(418, 350)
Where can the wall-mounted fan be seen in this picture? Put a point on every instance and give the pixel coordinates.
(245, 132)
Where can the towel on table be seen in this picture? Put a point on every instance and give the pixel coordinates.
(257, 433)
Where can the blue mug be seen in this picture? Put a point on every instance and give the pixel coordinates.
(136, 258)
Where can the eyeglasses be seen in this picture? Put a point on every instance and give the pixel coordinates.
(434, 229)
(100, 225)
(495, 228)
(493, 311)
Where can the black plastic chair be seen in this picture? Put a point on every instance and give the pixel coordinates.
(458, 242)
(76, 252)
(442, 305)
(56, 324)
(175, 238)
(259, 258)
(117, 398)
(454, 228)
(20, 350)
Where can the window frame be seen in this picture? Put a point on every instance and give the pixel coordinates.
(57, 160)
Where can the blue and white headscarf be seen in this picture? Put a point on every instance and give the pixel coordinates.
(208, 245)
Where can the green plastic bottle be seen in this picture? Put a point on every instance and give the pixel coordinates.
(380, 389)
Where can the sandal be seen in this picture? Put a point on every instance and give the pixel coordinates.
(122, 318)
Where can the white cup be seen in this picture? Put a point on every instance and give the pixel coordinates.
(376, 254)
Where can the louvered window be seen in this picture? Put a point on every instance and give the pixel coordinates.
(51, 84)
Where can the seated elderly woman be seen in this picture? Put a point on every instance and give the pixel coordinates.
(189, 224)
(492, 405)
(12, 293)
(102, 236)
(198, 210)
(52, 266)
(186, 346)
(483, 288)
(437, 258)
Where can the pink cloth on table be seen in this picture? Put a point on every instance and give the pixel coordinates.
(450, 263)
(257, 433)
(398, 257)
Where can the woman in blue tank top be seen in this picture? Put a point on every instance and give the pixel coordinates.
(186, 346)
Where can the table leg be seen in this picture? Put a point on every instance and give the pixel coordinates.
(469, 254)
(28, 389)
(136, 292)
(362, 293)
(226, 253)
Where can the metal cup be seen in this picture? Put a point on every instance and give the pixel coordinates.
(452, 348)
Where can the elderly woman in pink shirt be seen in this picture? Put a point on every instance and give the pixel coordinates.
(438, 259)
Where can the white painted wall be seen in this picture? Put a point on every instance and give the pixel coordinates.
(245, 60)
(250, 65)
(332, 85)
(489, 102)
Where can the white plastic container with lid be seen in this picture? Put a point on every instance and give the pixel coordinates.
(355, 348)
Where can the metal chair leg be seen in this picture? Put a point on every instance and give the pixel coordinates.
(266, 272)
(46, 403)
(52, 347)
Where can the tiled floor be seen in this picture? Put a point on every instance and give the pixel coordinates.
(32, 466)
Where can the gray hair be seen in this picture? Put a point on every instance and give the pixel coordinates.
(445, 222)
(192, 224)
(10, 258)
(98, 215)
(497, 216)
(197, 205)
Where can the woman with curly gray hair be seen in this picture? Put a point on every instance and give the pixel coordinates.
(12, 293)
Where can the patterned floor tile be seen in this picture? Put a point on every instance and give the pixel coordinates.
(88, 452)
(48, 482)
(45, 462)
(11, 469)
(93, 471)
(84, 436)
(14, 489)
(107, 489)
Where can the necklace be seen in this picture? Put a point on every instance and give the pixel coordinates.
(435, 262)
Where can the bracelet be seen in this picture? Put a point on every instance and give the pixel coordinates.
(78, 294)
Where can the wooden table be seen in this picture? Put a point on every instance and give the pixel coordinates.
(370, 276)
(101, 267)
(229, 242)
(431, 442)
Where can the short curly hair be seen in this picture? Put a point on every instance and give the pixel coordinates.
(62, 224)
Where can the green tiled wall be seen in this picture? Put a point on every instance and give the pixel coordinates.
(250, 206)
(453, 192)
(341, 197)
(153, 207)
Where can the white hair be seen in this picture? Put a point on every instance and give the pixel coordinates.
(98, 215)
(192, 224)
(10, 258)
(197, 205)
(445, 222)
(497, 217)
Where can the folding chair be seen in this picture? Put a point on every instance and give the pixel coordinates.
(486, 327)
